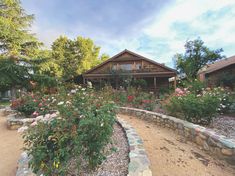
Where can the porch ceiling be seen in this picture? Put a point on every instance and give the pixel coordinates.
(147, 74)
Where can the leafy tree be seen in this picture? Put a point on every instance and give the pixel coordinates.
(73, 57)
(17, 46)
(196, 56)
(12, 74)
(15, 39)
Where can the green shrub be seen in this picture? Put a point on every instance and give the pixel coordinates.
(194, 86)
(27, 108)
(139, 83)
(193, 108)
(82, 130)
(32, 104)
(199, 107)
(132, 96)
(225, 79)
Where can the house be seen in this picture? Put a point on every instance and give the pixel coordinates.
(5, 95)
(219, 73)
(130, 65)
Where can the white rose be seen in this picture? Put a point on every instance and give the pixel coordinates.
(60, 103)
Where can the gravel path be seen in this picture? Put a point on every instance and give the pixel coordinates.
(171, 156)
(117, 160)
(224, 125)
(10, 148)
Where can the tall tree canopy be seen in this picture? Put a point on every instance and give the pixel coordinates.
(22, 59)
(196, 56)
(17, 46)
(73, 57)
(15, 38)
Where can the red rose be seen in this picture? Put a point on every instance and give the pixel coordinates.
(130, 98)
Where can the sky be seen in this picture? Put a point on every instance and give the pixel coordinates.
(157, 29)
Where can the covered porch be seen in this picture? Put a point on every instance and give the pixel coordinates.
(154, 82)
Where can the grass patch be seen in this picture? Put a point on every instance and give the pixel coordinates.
(5, 103)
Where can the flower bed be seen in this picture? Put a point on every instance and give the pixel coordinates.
(206, 139)
(81, 130)
(131, 97)
(33, 104)
(199, 106)
(137, 162)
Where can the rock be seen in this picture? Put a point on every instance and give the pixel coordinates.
(227, 152)
(205, 146)
(202, 136)
(147, 173)
(199, 141)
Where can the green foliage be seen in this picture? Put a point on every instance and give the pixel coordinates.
(32, 105)
(199, 106)
(196, 56)
(82, 130)
(18, 47)
(132, 96)
(195, 86)
(226, 80)
(197, 110)
(4, 103)
(15, 39)
(73, 57)
(13, 74)
(139, 83)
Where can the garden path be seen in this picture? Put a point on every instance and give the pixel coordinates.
(170, 156)
(10, 148)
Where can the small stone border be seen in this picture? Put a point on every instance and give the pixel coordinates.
(14, 122)
(22, 167)
(218, 145)
(7, 110)
(139, 164)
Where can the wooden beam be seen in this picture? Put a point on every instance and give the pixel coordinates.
(175, 82)
(155, 83)
(84, 80)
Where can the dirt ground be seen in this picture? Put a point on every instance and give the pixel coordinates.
(170, 156)
(10, 148)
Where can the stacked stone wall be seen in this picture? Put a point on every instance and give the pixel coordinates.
(207, 139)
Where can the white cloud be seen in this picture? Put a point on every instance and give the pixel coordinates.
(162, 35)
(217, 33)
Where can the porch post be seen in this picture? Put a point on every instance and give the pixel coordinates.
(84, 81)
(155, 84)
(116, 83)
(175, 82)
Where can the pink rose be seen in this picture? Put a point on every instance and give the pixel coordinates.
(34, 123)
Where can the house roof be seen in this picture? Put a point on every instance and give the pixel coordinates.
(218, 65)
(131, 53)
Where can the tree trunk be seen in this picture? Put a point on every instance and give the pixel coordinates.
(13, 93)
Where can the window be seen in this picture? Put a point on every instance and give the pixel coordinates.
(138, 66)
(114, 67)
(126, 66)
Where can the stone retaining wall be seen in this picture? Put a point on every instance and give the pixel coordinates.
(23, 168)
(139, 163)
(14, 122)
(206, 139)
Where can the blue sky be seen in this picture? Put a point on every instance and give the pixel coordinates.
(157, 29)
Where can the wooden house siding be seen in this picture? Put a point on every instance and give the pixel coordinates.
(132, 64)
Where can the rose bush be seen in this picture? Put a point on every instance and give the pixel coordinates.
(198, 106)
(133, 97)
(33, 104)
(81, 129)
